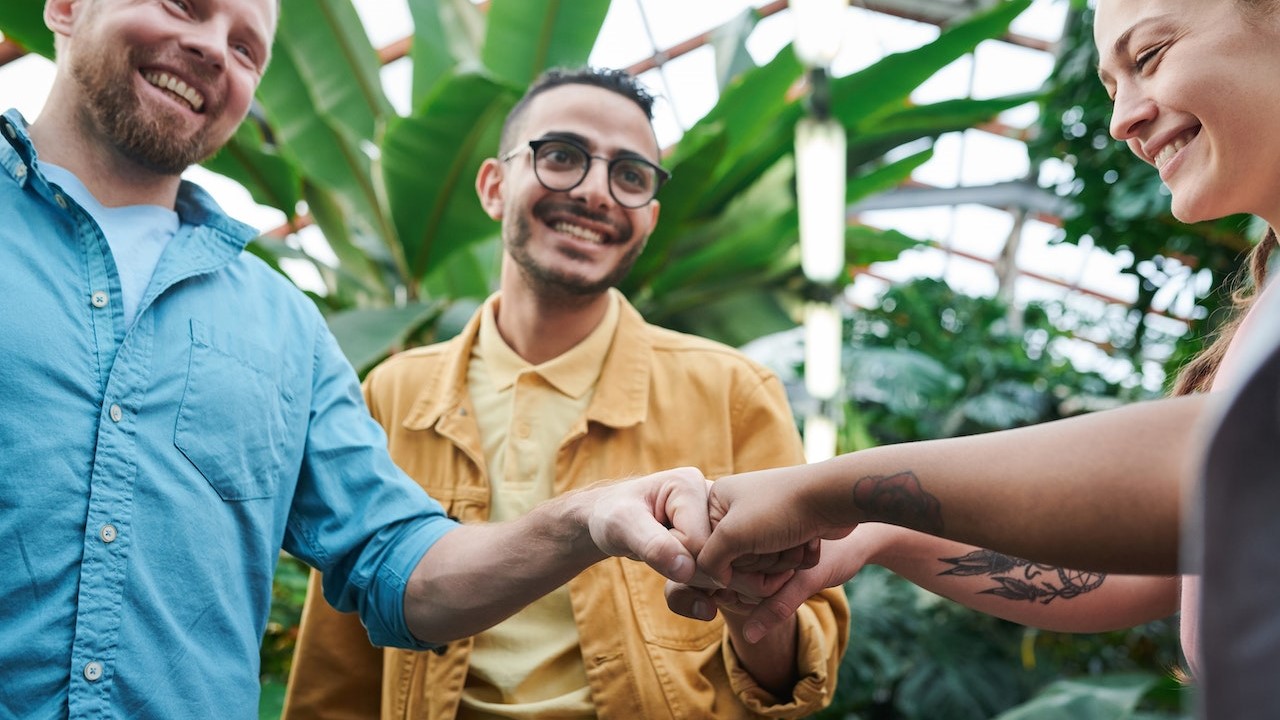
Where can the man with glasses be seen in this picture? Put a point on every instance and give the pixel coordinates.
(556, 383)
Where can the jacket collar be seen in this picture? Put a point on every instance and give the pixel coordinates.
(622, 394)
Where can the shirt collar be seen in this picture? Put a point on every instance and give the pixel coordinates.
(194, 206)
(572, 373)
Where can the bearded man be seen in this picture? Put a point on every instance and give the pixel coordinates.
(173, 412)
(555, 382)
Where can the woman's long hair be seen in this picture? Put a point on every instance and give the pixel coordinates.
(1197, 375)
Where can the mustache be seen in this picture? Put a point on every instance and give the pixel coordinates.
(552, 207)
(189, 70)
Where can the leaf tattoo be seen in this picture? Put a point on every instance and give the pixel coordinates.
(1018, 579)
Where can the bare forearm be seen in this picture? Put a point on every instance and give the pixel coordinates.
(1102, 491)
(478, 575)
(772, 659)
(1033, 594)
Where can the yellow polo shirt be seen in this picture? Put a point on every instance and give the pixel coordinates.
(531, 664)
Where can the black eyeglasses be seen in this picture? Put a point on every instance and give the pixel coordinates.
(561, 165)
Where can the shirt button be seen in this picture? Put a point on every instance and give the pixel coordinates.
(61, 200)
(8, 130)
(522, 430)
(92, 671)
(99, 298)
(116, 413)
(20, 171)
(107, 533)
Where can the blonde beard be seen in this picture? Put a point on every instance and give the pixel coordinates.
(138, 132)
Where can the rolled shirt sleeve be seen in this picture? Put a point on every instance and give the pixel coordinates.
(356, 516)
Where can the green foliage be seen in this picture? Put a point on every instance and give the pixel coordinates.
(916, 656)
(929, 362)
(394, 198)
(394, 195)
(287, 595)
(926, 363)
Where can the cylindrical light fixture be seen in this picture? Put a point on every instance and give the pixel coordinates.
(822, 355)
(820, 189)
(819, 438)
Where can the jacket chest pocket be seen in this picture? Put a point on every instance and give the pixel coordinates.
(231, 423)
(658, 625)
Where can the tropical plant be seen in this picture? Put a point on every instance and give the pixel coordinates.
(928, 362)
(393, 194)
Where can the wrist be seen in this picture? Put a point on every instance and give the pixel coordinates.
(569, 522)
(828, 495)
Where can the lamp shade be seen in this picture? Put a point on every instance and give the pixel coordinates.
(820, 190)
(819, 438)
(822, 353)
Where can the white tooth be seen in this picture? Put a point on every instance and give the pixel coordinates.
(166, 81)
(579, 232)
(1168, 151)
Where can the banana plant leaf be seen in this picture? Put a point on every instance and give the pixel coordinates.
(365, 334)
(884, 87)
(447, 34)
(335, 60)
(23, 22)
(326, 152)
(525, 37)
(430, 161)
(269, 178)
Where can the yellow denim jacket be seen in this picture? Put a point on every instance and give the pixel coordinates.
(663, 400)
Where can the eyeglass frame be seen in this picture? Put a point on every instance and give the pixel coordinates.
(661, 174)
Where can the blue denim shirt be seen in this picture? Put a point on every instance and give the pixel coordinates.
(149, 475)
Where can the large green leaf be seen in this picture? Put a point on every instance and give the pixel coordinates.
(922, 121)
(758, 117)
(334, 59)
(944, 116)
(884, 86)
(885, 177)
(446, 34)
(326, 153)
(22, 21)
(680, 200)
(752, 232)
(357, 279)
(430, 161)
(365, 334)
(472, 272)
(864, 245)
(269, 178)
(526, 37)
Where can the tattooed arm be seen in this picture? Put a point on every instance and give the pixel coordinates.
(1101, 491)
(1033, 594)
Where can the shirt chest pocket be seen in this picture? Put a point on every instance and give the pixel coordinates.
(230, 421)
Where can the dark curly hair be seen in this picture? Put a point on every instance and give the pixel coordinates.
(618, 81)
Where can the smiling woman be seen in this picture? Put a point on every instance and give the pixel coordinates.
(1193, 84)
